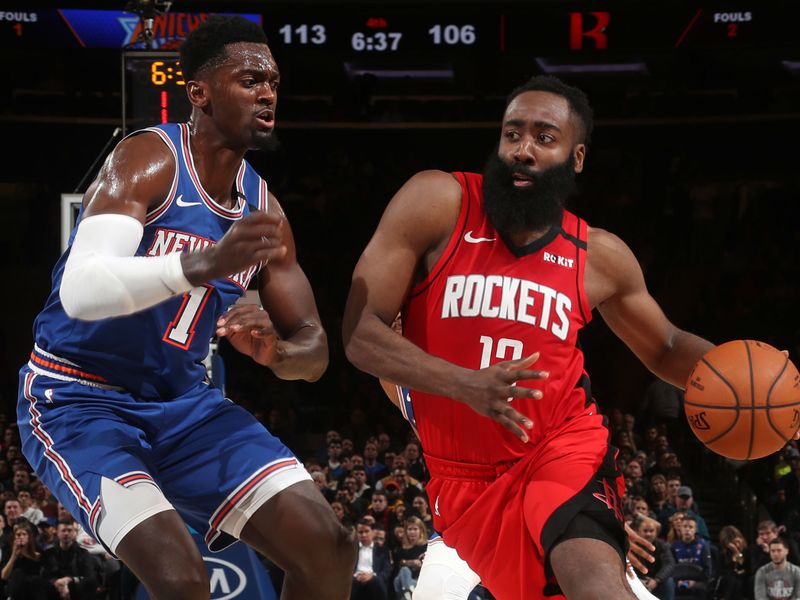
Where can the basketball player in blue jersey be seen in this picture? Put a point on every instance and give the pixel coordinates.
(115, 412)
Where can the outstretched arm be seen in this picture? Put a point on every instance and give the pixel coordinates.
(615, 284)
(287, 335)
(415, 227)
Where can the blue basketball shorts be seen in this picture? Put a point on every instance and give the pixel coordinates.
(208, 456)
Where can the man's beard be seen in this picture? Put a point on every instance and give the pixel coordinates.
(513, 209)
(266, 141)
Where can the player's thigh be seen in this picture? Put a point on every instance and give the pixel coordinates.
(75, 437)
(297, 528)
(218, 465)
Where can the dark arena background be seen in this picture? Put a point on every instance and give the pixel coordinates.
(693, 163)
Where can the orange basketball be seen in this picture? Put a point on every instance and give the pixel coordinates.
(743, 399)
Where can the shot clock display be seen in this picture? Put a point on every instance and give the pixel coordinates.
(153, 89)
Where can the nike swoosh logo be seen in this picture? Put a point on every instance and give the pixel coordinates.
(473, 240)
(181, 202)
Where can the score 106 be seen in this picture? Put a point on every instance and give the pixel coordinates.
(378, 40)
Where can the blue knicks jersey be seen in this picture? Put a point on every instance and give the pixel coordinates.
(155, 354)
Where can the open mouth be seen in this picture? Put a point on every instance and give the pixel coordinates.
(266, 119)
(521, 180)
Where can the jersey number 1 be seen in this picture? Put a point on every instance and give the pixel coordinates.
(180, 331)
(502, 347)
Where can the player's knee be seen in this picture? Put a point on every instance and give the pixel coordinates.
(182, 582)
(341, 542)
(438, 582)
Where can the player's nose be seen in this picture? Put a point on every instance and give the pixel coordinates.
(524, 154)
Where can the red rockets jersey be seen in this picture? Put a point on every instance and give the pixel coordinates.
(482, 304)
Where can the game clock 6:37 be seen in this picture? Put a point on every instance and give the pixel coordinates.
(154, 90)
(381, 34)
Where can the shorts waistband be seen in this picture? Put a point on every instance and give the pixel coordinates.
(50, 365)
(451, 469)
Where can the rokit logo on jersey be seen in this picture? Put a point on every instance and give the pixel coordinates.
(167, 241)
(498, 297)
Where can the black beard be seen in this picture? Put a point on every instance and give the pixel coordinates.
(266, 141)
(511, 209)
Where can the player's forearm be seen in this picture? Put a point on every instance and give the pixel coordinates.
(303, 355)
(679, 356)
(373, 347)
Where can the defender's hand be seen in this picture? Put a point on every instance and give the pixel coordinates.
(249, 329)
(490, 392)
(252, 240)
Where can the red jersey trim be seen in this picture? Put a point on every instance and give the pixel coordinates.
(455, 237)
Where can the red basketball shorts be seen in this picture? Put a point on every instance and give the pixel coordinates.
(504, 519)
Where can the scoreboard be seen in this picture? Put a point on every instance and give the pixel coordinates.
(436, 29)
(312, 41)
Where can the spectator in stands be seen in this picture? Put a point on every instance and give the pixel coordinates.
(29, 510)
(334, 464)
(379, 509)
(321, 455)
(347, 447)
(657, 494)
(421, 509)
(408, 557)
(635, 484)
(733, 574)
(685, 503)
(363, 489)
(673, 485)
(23, 571)
(341, 512)
(373, 567)
(693, 569)
(675, 525)
(44, 499)
(649, 441)
(779, 579)
(384, 446)
(758, 553)
(47, 534)
(21, 479)
(380, 535)
(12, 511)
(415, 462)
(658, 578)
(375, 469)
(321, 481)
(70, 568)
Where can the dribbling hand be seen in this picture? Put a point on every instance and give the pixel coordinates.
(249, 329)
(490, 392)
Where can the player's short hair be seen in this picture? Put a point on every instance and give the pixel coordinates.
(781, 541)
(205, 46)
(577, 99)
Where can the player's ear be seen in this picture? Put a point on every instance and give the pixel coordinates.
(197, 91)
(579, 154)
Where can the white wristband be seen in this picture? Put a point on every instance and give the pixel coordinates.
(103, 278)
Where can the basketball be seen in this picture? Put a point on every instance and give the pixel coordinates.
(743, 399)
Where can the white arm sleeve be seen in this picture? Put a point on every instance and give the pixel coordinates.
(103, 278)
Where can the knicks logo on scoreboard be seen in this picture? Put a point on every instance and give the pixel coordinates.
(698, 421)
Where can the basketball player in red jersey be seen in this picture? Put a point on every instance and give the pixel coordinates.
(493, 275)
